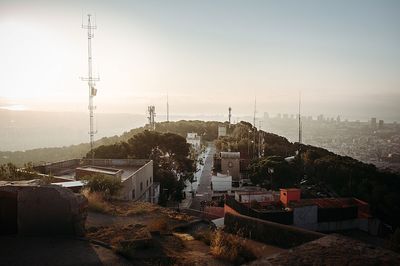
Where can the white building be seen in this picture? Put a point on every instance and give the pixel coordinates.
(194, 140)
(221, 183)
(221, 131)
(136, 175)
(259, 196)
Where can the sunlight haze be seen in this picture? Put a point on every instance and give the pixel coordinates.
(206, 55)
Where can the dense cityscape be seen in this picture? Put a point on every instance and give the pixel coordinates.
(374, 141)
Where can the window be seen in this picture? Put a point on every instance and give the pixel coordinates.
(147, 183)
(141, 186)
(133, 194)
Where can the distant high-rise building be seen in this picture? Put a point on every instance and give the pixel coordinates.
(381, 122)
(338, 119)
(320, 118)
(373, 122)
(279, 116)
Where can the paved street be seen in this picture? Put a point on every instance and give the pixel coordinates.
(203, 188)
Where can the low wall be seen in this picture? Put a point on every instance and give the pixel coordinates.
(282, 217)
(115, 162)
(271, 233)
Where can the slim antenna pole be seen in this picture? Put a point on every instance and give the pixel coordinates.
(254, 126)
(91, 83)
(167, 108)
(300, 125)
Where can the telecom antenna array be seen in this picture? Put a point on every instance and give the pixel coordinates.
(91, 81)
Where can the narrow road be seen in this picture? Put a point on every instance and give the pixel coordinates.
(203, 189)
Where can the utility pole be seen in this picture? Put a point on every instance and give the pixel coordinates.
(230, 116)
(260, 139)
(300, 124)
(91, 83)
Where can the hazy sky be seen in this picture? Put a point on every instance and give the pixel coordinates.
(343, 55)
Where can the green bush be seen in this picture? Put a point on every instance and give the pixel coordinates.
(108, 186)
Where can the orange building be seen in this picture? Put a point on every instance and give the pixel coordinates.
(289, 195)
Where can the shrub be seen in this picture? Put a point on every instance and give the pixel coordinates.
(230, 247)
(96, 202)
(108, 186)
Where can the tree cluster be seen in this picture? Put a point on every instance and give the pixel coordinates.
(170, 155)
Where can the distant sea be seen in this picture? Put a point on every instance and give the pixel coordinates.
(24, 130)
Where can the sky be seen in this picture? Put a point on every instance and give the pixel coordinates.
(206, 55)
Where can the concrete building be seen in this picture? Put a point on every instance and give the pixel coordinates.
(136, 175)
(221, 131)
(194, 140)
(373, 122)
(230, 164)
(288, 195)
(381, 124)
(221, 183)
(261, 196)
(318, 214)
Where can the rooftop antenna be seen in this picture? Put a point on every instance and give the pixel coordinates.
(300, 124)
(91, 82)
(167, 108)
(230, 116)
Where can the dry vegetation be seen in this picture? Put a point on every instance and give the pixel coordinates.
(230, 247)
(149, 235)
(98, 203)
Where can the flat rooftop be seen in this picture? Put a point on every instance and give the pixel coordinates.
(101, 170)
(127, 172)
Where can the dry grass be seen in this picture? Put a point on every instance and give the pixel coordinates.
(158, 224)
(230, 248)
(204, 235)
(96, 202)
(114, 235)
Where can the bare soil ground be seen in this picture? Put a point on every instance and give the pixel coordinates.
(145, 234)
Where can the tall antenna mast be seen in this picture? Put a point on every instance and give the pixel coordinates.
(255, 110)
(254, 125)
(91, 82)
(300, 124)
